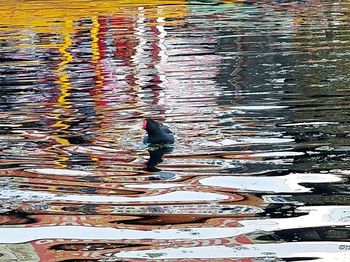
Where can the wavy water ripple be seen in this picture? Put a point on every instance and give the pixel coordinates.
(256, 93)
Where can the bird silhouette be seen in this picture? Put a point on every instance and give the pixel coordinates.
(157, 133)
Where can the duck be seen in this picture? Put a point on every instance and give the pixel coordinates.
(157, 133)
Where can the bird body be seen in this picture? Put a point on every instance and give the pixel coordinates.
(157, 133)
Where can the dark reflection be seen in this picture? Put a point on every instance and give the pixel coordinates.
(91, 209)
(77, 139)
(166, 220)
(156, 152)
(298, 259)
(282, 211)
(310, 199)
(93, 246)
(309, 234)
(83, 260)
(16, 218)
(323, 199)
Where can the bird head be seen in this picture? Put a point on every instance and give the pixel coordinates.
(150, 125)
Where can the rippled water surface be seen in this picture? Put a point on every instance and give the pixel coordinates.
(257, 94)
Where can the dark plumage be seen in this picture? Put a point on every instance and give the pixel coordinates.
(157, 133)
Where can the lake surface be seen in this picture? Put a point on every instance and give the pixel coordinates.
(257, 94)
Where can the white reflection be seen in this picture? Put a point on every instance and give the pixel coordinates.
(172, 197)
(317, 217)
(287, 184)
(335, 251)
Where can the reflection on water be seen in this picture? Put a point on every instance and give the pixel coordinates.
(255, 91)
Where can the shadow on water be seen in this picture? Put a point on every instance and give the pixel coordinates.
(256, 92)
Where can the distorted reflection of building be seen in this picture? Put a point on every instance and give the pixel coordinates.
(226, 232)
(47, 249)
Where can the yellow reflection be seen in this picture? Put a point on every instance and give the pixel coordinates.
(63, 77)
(234, 2)
(62, 161)
(94, 37)
(63, 82)
(60, 140)
(62, 73)
(47, 16)
(95, 50)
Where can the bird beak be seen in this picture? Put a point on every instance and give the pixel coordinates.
(144, 125)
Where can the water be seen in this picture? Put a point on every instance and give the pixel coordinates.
(256, 93)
